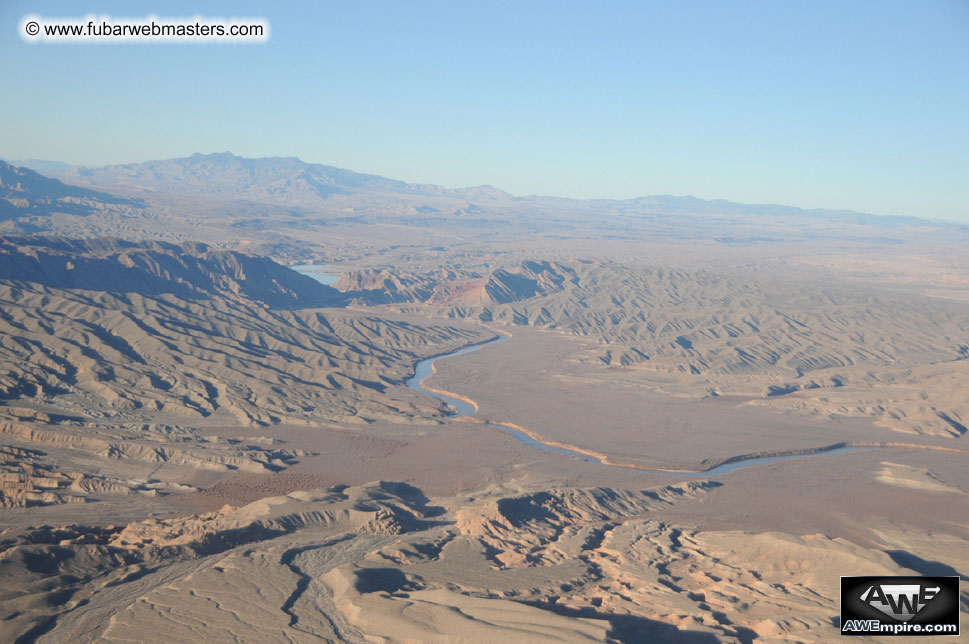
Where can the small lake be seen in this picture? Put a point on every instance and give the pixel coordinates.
(322, 273)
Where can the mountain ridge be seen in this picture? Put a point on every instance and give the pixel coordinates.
(291, 181)
(285, 180)
(26, 192)
(187, 270)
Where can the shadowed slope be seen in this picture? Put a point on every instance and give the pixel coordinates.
(189, 270)
(24, 192)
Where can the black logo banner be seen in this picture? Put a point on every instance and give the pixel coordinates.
(899, 606)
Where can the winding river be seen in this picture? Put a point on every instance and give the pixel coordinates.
(425, 368)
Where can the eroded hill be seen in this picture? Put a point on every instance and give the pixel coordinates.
(131, 331)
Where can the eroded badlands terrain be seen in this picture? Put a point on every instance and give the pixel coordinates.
(198, 443)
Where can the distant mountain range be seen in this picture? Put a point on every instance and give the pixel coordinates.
(276, 180)
(288, 181)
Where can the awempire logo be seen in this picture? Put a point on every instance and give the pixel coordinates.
(900, 605)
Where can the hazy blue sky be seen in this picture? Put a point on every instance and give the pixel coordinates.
(861, 105)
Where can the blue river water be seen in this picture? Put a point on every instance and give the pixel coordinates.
(425, 368)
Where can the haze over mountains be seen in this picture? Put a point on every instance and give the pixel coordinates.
(281, 180)
(290, 211)
(290, 181)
